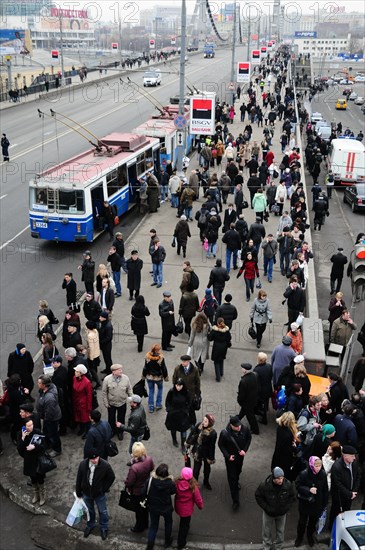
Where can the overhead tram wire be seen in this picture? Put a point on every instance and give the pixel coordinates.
(213, 24)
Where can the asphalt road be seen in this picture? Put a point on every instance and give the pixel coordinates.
(31, 270)
(14, 526)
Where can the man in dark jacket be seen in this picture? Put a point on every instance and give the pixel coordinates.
(50, 411)
(253, 184)
(21, 362)
(88, 271)
(238, 199)
(158, 255)
(99, 434)
(105, 340)
(275, 496)
(227, 311)
(247, 396)
(257, 233)
(69, 284)
(217, 279)
(189, 305)
(136, 422)
(232, 241)
(296, 299)
(320, 208)
(286, 247)
(134, 267)
(92, 308)
(115, 264)
(345, 482)
(230, 216)
(253, 166)
(346, 432)
(73, 337)
(118, 243)
(189, 373)
(95, 476)
(234, 442)
(166, 312)
(263, 370)
(60, 380)
(339, 261)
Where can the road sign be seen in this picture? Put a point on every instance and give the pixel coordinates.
(179, 122)
(243, 72)
(180, 138)
(202, 112)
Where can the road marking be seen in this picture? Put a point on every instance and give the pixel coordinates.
(344, 215)
(13, 145)
(3, 197)
(15, 237)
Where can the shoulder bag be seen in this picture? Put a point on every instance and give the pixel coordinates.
(45, 464)
(147, 433)
(110, 447)
(128, 501)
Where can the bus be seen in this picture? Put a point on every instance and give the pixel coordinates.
(163, 127)
(66, 201)
(346, 159)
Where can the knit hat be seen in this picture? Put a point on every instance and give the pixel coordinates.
(294, 327)
(187, 473)
(211, 420)
(183, 217)
(298, 359)
(135, 399)
(277, 472)
(208, 292)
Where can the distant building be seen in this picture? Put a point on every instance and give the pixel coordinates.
(317, 47)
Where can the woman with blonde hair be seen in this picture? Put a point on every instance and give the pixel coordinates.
(301, 377)
(263, 371)
(44, 326)
(155, 372)
(93, 350)
(198, 340)
(101, 274)
(286, 447)
(139, 472)
(44, 309)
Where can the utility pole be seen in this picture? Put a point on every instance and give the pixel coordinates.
(181, 146)
(258, 35)
(61, 48)
(233, 68)
(249, 34)
(120, 36)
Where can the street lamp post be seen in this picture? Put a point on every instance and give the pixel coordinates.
(61, 48)
(181, 146)
(233, 50)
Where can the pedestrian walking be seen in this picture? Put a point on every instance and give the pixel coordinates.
(250, 270)
(287, 446)
(296, 300)
(138, 474)
(5, 144)
(158, 255)
(159, 503)
(106, 340)
(134, 266)
(139, 312)
(247, 396)
(221, 337)
(198, 341)
(234, 442)
(275, 496)
(95, 476)
(181, 234)
(82, 399)
(189, 305)
(217, 279)
(155, 372)
(187, 494)
(209, 305)
(178, 412)
(201, 446)
(115, 264)
(260, 315)
(115, 391)
(339, 261)
(270, 248)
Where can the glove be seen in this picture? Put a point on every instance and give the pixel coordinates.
(270, 321)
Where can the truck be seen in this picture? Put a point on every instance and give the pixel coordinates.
(209, 50)
(151, 78)
(346, 159)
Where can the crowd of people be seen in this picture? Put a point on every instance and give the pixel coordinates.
(318, 437)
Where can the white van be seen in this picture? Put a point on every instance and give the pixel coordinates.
(151, 78)
(347, 161)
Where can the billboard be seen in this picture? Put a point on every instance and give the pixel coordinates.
(305, 34)
(255, 56)
(202, 111)
(152, 44)
(15, 41)
(263, 51)
(243, 72)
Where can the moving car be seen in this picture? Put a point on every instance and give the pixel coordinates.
(348, 531)
(347, 91)
(324, 132)
(341, 104)
(355, 197)
(359, 78)
(359, 100)
(151, 78)
(316, 117)
(352, 96)
(344, 81)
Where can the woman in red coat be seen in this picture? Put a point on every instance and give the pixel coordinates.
(269, 158)
(251, 271)
(82, 399)
(187, 494)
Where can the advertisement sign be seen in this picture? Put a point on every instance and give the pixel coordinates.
(263, 51)
(54, 54)
(173, 41)
(243, 72)
(255, 56)
(202, 111)
(15, 41)
(305, 34)
(255, 37)
(269, 46)
(114, 45)
(152, 44)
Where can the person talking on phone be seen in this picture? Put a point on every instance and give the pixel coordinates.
(31, 444)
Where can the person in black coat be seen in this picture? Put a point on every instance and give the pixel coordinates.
(201, 442)
(263, 370)
(247, 396)
(60, 380)
(21, 362)
(230, 216)
(345, 482)
(88, 271)
(232, 241)
(339, 261)
(94, 493)
(312, 497)
(92, 308)
(337, 392)
(227, 311)
(296, 300)
(17, 395)
(69, 284)
(221, 337)
(286, 446)
(134, 268)
(178, 412)
(31, 445)
(106, 340)
(217, 279)
(234, 442)
(166, 312)
(99, 434)
(139, 312)
(294, 400)
(118, 243)
(73, 337)
(107, 296)
(160, 490)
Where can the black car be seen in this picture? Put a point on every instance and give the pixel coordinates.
(355, 195)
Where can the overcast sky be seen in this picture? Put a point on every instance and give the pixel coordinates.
(128, 11)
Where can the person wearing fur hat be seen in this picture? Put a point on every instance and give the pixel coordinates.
(247, 396)
(221, 337)
(181, 234)
(275, 496)
(187, 494)
(201, 442)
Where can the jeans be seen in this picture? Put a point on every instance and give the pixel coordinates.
(267, 524)
(50, 430)
(116, 414)
(268, 267)
(229, 254)
(284, 261)
(164, 190)
(116, 277)
(157, 273)
(134, 440)
(174, 200)
(100, 502)
(189, 212)
(151, 393)
(212, 249)
(154, 521)
(218, 367)
(250, 286)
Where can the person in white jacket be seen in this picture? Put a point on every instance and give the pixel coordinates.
(280, 196)
(328, 459)
(174, 189)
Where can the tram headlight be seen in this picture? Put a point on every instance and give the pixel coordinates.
(78, 227)
(65, 221)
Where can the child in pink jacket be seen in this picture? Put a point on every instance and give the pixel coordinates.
(187, 493)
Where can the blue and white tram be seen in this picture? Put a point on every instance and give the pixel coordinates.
(66, 202)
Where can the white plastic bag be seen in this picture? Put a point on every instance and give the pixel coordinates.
(77, 511)
(300, 319)
(188, 351)
(321, 523)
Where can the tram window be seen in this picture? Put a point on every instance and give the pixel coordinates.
(163, 150)
(41, 196)
(149, 163)
(141, 165)
(116, 179)
(71, 202)
(38, 198)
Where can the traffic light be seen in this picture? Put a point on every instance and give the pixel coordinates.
(358, 275)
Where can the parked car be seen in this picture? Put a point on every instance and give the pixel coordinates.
(341, 104)
(343, 81)
(352, 96)
(359, 100)
(355, 197)
(359, 78)
(347, 91)
(363, 109)
(348, 531)
(324, 132)
(316, 117)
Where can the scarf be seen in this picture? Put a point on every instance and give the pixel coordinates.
(327, 429)
(312, 461)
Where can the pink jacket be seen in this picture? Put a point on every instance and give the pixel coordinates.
(185, 499)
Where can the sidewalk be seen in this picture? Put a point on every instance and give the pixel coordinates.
(239, 530)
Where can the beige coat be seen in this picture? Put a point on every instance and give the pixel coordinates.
(93, 347)
(115, 393)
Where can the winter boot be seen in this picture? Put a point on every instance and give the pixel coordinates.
(42, 495)
(35, 493)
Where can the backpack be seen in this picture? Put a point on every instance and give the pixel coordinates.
(194, 280)
(209, 307)
(203, 218)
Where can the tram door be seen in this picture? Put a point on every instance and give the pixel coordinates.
(97, 198)
(133, 183)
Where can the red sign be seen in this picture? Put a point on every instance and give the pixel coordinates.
(263, 49)
(70, 14)
(255, 37)
(269, 44)
(114, 45)
(54, 54)
(243, 68)
(201, 116)
(152, 44)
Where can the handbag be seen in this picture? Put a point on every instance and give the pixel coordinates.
(111, 449)
(139, 388)
(147, 433)
(128, 501)
(116, 220)
(244, 204)
(173, 244)
(179, 327)
(252, 332)
(45, 464)
(275, 208)
(258, 283)
(197, 402)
